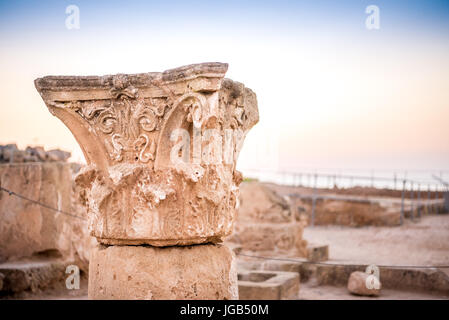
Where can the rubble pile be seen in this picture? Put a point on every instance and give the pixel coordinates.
(10, 153)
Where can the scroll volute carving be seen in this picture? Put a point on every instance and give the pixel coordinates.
(119, 129)
(191, 111)
(94, 151)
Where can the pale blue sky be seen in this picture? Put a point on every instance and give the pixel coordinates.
(333, 93)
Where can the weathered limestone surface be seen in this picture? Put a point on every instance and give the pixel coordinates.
(127, 127)
(32, 276)
(266, 223)
(354, 213)
(317, 253)
(268, 285)
(357, 285)
(10, 153)
(161, 151)
(28, 229)
(142, 272)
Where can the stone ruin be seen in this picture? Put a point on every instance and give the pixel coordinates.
(37, 243)
(268, 223)
(268, 285)
(10, 153)
(270, 226)
(158, 202)
(27, 228)
(161, 150)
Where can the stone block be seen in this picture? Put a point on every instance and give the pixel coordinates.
(317, 253)
(173, 273)
(32, 275)
(268, 285)
(357, 284)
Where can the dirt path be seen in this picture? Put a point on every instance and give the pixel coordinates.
(415, 243)
(312, 292)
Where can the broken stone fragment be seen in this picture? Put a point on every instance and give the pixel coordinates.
(37, 152)
(30, 158)
(18, 156)
(32, 276)
(364, 284)
(57, 155)
(317, 253)
(8, 152)
(11, 154)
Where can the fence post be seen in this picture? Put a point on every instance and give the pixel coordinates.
(402, 202)
(428, 200)
(418, 211)
(314, 202)
(446, 200)
(411, 202)
(395, 178)
(436, 202)
(313, 210)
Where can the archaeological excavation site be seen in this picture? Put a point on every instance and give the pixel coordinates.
(158, 209)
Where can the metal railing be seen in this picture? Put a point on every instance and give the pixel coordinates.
(315, 180)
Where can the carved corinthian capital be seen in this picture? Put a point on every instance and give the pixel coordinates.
(148, 140)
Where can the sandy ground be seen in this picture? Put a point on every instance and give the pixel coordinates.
(60, 293)
(425, 242)
(310, 291)
(422, 242)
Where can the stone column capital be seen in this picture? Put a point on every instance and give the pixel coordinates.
(161, 149)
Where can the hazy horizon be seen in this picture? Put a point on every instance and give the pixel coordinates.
(331, 93)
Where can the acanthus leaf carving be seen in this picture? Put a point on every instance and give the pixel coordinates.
(134, 192)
